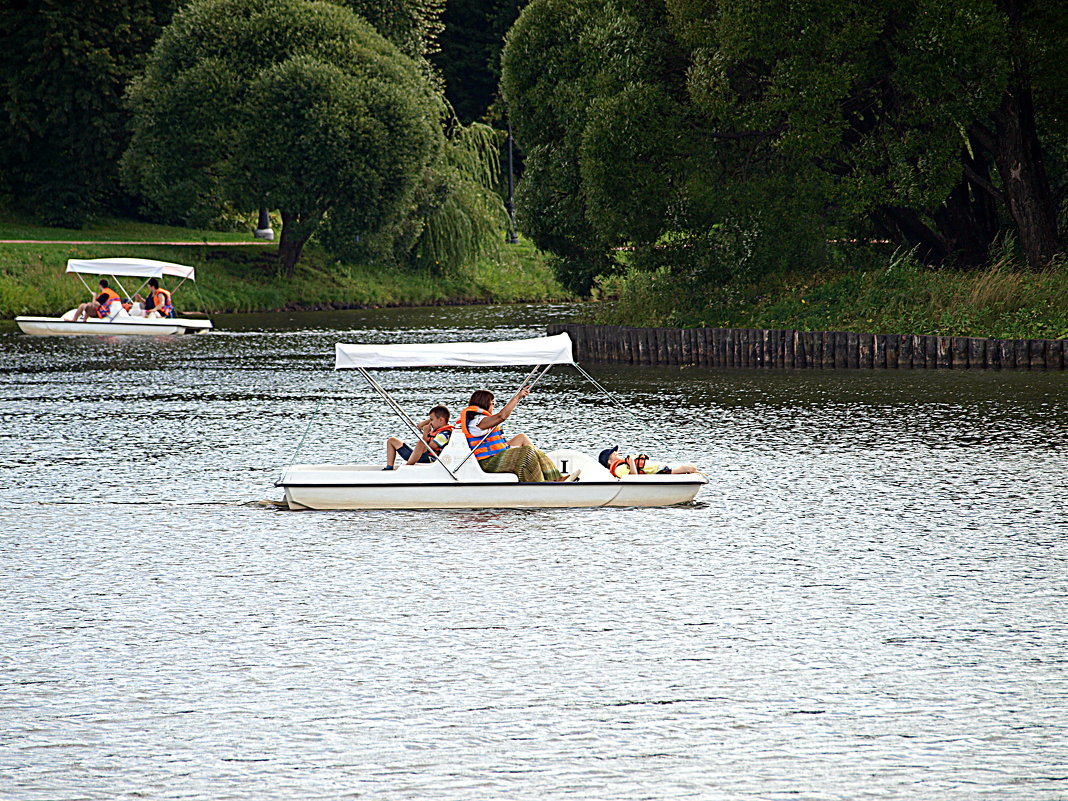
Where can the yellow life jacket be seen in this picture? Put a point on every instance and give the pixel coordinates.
(619, 467)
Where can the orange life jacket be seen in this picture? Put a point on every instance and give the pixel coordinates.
(103, 308)
(484, 445)
(166, 309)
(439, 438)
(639, 463)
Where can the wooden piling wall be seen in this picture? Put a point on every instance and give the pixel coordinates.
(812, 350)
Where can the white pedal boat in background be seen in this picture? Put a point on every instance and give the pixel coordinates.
(454, 479)
(119, 321)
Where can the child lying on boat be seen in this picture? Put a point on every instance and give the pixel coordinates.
(640, 465)
(436, 432)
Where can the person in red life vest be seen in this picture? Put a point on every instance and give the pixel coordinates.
(100, 306)
(158, 302)
(436, 432)
(496, 454)
(640, 465)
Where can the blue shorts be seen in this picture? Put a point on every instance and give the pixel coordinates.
(405, 452)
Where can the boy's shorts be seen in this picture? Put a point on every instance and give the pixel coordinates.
(405, 452)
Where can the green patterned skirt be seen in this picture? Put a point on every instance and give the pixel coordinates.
(529, 463)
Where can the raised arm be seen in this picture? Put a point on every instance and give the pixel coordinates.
(497, 418)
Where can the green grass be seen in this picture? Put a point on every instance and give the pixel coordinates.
(245, 278)
(15, 226)
(899, 297)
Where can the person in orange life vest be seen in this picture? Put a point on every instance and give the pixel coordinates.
(482, 428)
(99, 306)
(158, 302)
(640, 465)
(436, 432)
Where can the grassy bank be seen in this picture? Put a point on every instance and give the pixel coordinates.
(900, 296)
(244, 278)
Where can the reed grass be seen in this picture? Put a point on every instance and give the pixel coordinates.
(899, 297)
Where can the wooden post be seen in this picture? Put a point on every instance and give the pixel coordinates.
(1056, 354)
(865, 355)
(827, 349)
(1007, 352)
(976, 352)
(905, 351)
(814, 349)
(944, 351)
(893, 353)
(1023, 354)
(671, 345)
(841, 349)
(1038, 348)
(928, 346)
(852, 350)
(959, 350)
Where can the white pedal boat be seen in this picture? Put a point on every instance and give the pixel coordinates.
(119, 321)
(454, 480)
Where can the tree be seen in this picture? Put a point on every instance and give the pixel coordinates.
(720, 137)
(909, 107)
(298, 102)
(63, 69)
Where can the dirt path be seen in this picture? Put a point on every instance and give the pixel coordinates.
(131, 242)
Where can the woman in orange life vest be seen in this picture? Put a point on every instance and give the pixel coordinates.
(482, 427)
(100, 305)
(639, 465)
(436, 432)
(158, 302)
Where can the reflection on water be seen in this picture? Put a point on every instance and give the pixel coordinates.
(868, 600)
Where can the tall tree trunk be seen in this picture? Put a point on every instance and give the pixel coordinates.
(1027, 191)
(1017, 153)
(295, 234)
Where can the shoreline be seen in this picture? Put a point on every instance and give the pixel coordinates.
(761, 348)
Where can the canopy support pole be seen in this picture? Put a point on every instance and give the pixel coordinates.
(522, 386)
(300, 444)
(85, 284)
(609, 395)
(396, 407)
(124, 292)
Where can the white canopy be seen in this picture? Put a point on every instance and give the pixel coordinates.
(542, 350)
(141, 268)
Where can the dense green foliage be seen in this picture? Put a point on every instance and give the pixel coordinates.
(297, 102)
(63, 69)
(412, 25)
(724, 140)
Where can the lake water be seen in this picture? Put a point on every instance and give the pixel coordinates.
(868, 601)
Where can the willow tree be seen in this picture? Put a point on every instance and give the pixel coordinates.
(297, 102)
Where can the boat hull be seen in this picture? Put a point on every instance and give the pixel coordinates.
(120, 326)
(337, 487)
